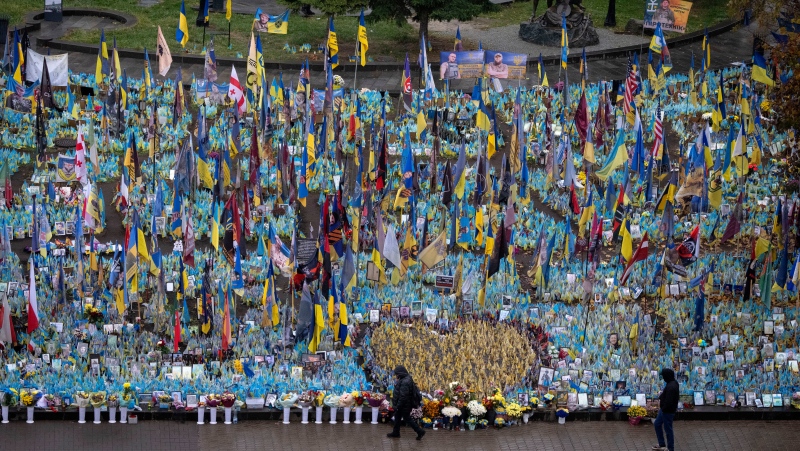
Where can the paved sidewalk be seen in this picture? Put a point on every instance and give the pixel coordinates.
(616, 435)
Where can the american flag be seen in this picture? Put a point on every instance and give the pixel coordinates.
(658, 129)
(630, 87)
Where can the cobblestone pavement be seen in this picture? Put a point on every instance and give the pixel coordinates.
(260, 435)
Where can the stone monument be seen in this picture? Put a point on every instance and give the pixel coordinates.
(546, 29)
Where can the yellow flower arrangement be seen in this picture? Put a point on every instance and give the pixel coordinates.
(28, 397)
(514, 410)
(238, 367)
(636, 411)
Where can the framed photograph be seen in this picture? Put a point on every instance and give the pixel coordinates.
(416, 307)
(405, 312)
(523, 399)
(613, 340)
(546, 376)
(146, 398)
(625, 400)
(386, 310)
(777, 400)
(271, 398)
(769, 327)
(750, 398)
(710, 397)
(61, 228)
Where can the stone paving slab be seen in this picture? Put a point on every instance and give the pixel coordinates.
(245, 436)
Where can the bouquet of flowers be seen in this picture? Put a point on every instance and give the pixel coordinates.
(636, 411)
(416, 413)
(374, 399)
(499, 422)
(212, 400)
(287, 400)
(128, 396)
(163, 399)
(472, 421)
(332, 401)
(228, 399)
(431, 408)
(92, 314)
(617, 404)
(29, 396)
(451, 412)
(113, 400)
(483, 424)
(534, 401)
(305, 399)
(82, 399)
(514, 410)
(358, 397)
(796, 400)
(346, 400)
(604, 405)
(9, 397)
(97, 399)
(426, 422)
(548, 398)
(476, 409)
(50, 400)
(488, 404)
(652, 412)
(562, 412)
(319, 398)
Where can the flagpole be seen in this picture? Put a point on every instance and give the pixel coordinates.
(358, 60)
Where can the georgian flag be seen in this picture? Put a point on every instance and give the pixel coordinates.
(235, 91)
(80, 159)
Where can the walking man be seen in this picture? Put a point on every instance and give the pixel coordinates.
(667, 407)
(406, 397)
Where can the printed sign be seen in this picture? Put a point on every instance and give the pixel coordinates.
(505, 65)
(671, 14)
(457, 65)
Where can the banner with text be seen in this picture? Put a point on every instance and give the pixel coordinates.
(457, 65)
(673, 15)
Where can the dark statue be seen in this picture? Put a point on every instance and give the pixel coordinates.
(546, 29)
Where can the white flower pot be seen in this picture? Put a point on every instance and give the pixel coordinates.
(212, 415)
(228, 412)
(346, 419)
(30, 415)
(201, 412)
(359, 413)
(123, 415)
(562, 420)
(526, 417)
(319, 416)
(81, 415)
(305, 416)
(333, 414)
(5, 414)
(112, 414)
(375, 413)
(96, 415)
(286, 412)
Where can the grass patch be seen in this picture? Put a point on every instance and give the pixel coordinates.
(17, 9)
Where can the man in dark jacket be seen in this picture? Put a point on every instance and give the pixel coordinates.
(403, 402)
(668, 406)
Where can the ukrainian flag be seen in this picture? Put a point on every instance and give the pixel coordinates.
(363, 44)
(617, 158)
(182, 33)
(333, 45)
(215, 225)
(101, 67)
(279, 24)
(760, 70)
(203, 172)
(19, 59)
(564, 42)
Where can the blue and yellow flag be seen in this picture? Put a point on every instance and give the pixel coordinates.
(182, 32)
(333, 45)
(278, 24)
(101, 68)
(363, 44)
(759, 73)
(564, 42)
(542, 73)
(458, 47)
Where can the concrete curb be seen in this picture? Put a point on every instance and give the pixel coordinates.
(69, 46)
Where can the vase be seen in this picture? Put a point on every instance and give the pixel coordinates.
(201, 413)
(112, 414)
(319, 416)
(526, 417)
(471, 426)
(81, 415)
(5, 414)
(346, 415)
(359, 413)
(30, 415)
(286, 413)
(212, 415)
(123, 415)
(333, 414)
(375, 413)
(228, 412)
(305, 416)
(96, 415)
(562, 420)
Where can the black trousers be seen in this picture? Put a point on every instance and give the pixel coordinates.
(405, 415)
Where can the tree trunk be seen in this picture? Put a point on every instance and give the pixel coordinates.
(423, 18)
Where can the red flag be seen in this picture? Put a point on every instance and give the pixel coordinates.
(351, 127)
(573, 200)
(641, 254)
(226, 326)
(177, 338)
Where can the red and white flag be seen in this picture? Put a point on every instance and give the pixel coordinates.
(80, 159)
(235, 91)
(33, 305)
(641, 254)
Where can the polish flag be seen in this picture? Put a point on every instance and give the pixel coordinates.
(235, 91)
(80, 159)
(33, 305)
